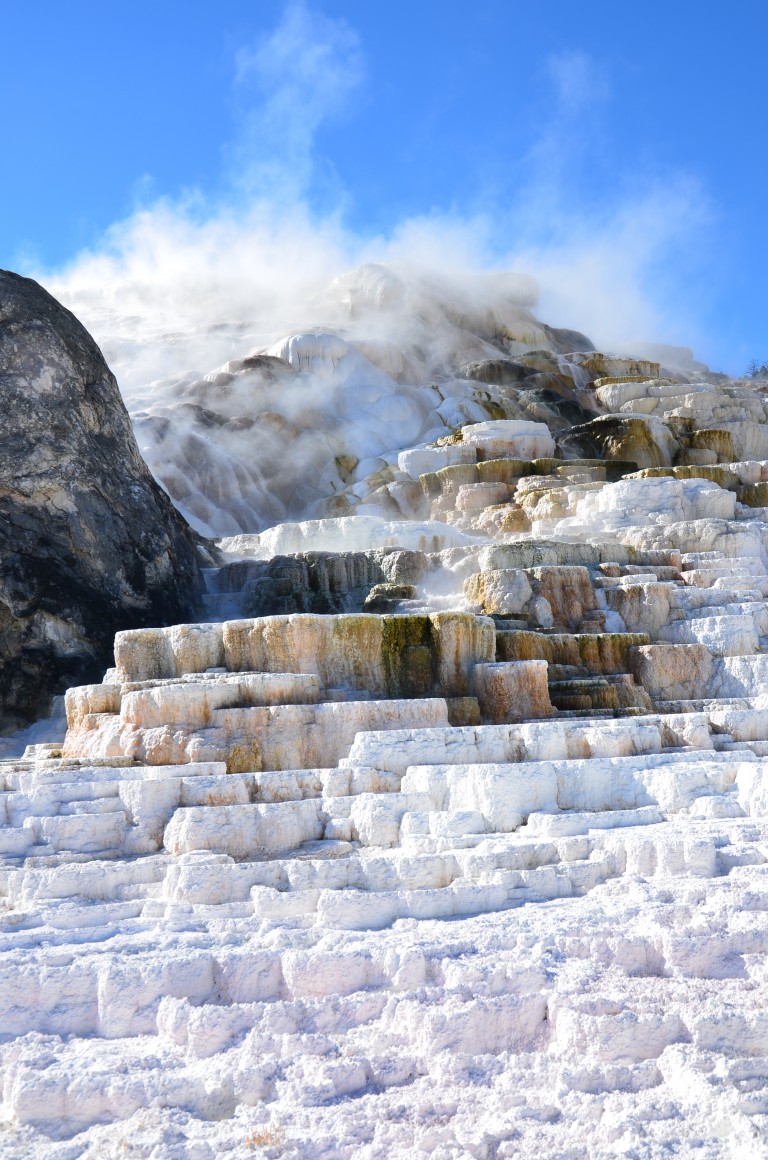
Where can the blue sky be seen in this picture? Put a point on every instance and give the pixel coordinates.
(620, 148)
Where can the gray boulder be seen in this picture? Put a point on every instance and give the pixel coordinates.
(89, 542)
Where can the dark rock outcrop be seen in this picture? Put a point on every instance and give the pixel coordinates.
(502, 372)
(319, 582)
(89, 542)
(641, 439)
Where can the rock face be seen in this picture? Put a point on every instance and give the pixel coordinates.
(89, 542)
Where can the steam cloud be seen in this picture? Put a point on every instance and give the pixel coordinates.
(184, 290)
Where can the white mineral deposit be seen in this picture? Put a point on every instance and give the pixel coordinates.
(445, 831)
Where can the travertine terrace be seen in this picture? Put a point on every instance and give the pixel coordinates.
(447, 834)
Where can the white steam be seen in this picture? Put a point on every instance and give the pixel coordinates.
(300, 76)
(185, 286)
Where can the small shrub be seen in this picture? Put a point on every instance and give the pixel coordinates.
(270, 1136)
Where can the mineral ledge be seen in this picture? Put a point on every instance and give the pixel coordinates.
(481, 874)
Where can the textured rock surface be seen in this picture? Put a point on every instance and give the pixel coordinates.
(89, 542)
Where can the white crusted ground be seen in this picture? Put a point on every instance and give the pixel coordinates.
(201, 963)
(630, 1022)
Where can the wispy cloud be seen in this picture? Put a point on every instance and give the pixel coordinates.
(577, 81)
(288, 84)
(606, 252)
